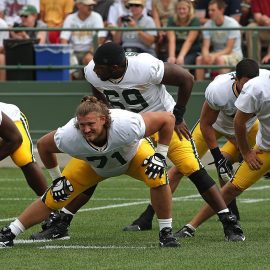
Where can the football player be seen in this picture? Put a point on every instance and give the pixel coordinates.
(136, 82)
(253, 100)
(23, 156)
(103, 143)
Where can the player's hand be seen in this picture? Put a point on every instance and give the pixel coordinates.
(182, 130)
(224, 169)
(61, 189)
(252, 159)
(156, 165)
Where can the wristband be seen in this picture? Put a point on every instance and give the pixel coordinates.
(162, 149)
(216, 153)
(55, 172)
(179, 113)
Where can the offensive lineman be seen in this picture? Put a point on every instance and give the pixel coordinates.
(103, 143)
(23, 155)
(136, 83)
(253, 99)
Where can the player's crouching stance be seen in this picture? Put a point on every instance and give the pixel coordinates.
(103, 143)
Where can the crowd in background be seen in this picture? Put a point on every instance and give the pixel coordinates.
(192, 47)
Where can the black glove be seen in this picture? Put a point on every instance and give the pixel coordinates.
(223, 165)
(61, 189)
(155, 165)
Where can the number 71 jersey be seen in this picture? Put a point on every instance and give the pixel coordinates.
(123, 139)
(139, 90)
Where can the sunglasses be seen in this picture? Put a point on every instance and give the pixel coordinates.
(24, 16)
(134, 5)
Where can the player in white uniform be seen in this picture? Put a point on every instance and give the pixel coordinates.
(103, 143)
(23, 155)
(136, 83)
(10, 137)
(254, 99)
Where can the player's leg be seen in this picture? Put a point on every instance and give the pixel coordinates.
(24, 158)
(161, 197)
(144, 221)
(58, 224)
(244, 178)
(42, 207)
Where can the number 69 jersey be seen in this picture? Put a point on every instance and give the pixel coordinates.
(123, 139)
(139, 90)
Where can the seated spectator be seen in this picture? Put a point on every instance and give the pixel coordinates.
(225, 45)
(261, 15)
(3, 35)
(184, 46)
(161, 11)
(83, 41)
(53, 13)
(29, 18)
(13, 7)
(232, 9)
(136, 41)
(246, 14)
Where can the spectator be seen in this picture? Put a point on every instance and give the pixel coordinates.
(161, 11)
(29, 18)
(102, 7)
(232, 9)
(53, 13)
(137, 41)
(184, 46)
(226, 45)
(83, 41)
(246, 14)
(3, 35)
(12, 8)
(261, 15)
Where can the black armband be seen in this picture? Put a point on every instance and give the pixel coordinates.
(179, 113)
(216, 154)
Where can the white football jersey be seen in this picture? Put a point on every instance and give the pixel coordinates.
(140, 89)
(221, 96)
(255, 98)
(124, 137)
(12, 111)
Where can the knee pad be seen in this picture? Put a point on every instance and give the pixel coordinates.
(202, 180)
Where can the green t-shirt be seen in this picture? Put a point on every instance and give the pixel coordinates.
(181, 36)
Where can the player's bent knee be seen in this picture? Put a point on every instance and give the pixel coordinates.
(202, 180)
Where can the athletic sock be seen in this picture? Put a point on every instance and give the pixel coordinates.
(16, 227)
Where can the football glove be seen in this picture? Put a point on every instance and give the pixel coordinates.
(156, 165)
(224, 169)
(61, 189)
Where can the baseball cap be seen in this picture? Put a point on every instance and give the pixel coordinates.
(109, 53)
(87, 2)
(28, 10)
(136, 2)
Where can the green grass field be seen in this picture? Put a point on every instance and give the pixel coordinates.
(98, 242)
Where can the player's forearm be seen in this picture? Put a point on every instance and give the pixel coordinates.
(209, 136)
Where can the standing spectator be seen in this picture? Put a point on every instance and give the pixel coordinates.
(184, 46)
(161, 11)
(12, 8)
(102, 7)
(53, 13)
(83, 41)
(3, 35)
(29, 18)
(232, 9)
(226, 45)
(261, 15)
(137, 41)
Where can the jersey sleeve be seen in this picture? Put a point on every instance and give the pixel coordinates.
(156, 68)
(212, 97)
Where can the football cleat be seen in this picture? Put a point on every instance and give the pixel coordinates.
(267, 175)
(56, 227)
(232, 229)
(167, 239)
(185, 232)
(6, 237)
